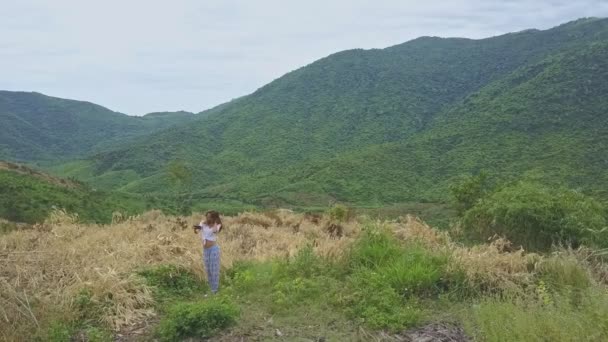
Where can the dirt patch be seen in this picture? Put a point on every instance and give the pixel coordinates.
(436, 332)
(141, 331)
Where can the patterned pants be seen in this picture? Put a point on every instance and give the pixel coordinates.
(211, 259)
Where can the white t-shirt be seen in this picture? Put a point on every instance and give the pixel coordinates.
(209, 233)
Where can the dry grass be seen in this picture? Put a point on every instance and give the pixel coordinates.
(44, 269)
(488, 267)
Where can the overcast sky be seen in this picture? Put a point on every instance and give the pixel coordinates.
(140, 56)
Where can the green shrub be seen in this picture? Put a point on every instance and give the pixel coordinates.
(248, 276)
(339, 212)
(377, 305)
(196, 319)
(172, 281)
(468, 190)
(374, 248)
(57, 331)
(416, 272)
(304, 264)
(564, 273)
(537, 217)
(408, 269)
(527, 319)
(85, 308)
(298, 291)
(94, 334)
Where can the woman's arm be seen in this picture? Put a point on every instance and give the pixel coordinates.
(216, 228)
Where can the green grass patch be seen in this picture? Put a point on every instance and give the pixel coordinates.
(531, 319)
(172, 282)
(200, 319)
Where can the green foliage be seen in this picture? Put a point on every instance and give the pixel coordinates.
(179, 173)
(377, 304)
(36, 127)
(94, 334)
(564, 273)
(397, 124)
(416, 272)
(531, 319)
(537, 217)
(200, 319)
(339, 212)
(30, 199)
(57, 331)
(171, 281)
(375, 248)
(86, 310)
(386, 277)
(467, 191)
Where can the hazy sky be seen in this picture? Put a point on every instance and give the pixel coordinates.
(139, 56)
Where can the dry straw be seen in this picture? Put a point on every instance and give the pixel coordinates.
(43, 270)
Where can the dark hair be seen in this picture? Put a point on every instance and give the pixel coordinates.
(215, 217)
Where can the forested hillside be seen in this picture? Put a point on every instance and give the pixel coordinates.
(384, 125)
(546, 121)
(30, 196)
(393, 124)
(38, 128)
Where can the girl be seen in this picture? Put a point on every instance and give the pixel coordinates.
(211, 251)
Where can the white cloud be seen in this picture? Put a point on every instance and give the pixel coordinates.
(140, 56)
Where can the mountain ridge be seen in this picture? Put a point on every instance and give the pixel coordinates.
(278, 141)
(38, 127)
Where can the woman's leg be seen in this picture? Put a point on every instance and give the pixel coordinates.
(212, 264)
(207, 262)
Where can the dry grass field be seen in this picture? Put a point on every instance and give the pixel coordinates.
(46, 269)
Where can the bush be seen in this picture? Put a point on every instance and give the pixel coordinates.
(304, 264)
(339, 213)
(537, 217)
(529, 319)
(57, 331)
(375, 247)
(564, 273)
(172, 281)
(377, 305)
(94, 334)
(85, 308)
(196, 319)
(386, 276)
(468, 190)
(415, 272)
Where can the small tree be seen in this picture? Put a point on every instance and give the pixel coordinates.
(536, 217)
(180, 176)
(339, 212)
(468, 190)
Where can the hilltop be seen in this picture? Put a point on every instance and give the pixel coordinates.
(40, 128)
(396, 124)
(368, 127)
(30, 196)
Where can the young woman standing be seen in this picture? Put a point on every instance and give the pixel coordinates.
(208, 230)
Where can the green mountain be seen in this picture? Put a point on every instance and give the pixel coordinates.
(390, 125)
(36, 127)
(27, 195)
(546, 121)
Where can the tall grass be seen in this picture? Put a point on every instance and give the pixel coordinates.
(66, 279)
(45, 269)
